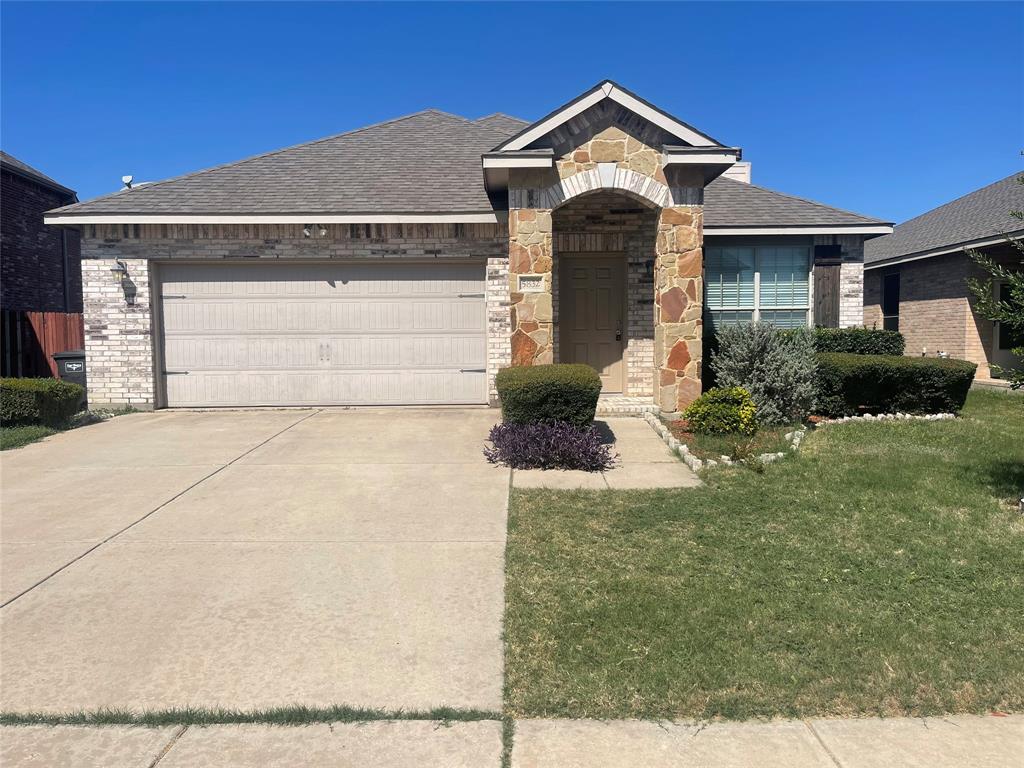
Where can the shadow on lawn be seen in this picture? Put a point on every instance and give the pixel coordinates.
(1007, 479)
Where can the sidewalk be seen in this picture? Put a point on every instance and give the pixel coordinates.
(941, 742)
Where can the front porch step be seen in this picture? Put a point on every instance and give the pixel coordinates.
(620, 405)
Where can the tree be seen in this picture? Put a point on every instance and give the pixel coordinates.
(1007, 308)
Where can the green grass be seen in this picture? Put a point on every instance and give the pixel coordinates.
(16, 437)
(880, 572)
(297, 715)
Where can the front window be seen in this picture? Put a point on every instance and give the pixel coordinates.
(770, 284)
(891, 301)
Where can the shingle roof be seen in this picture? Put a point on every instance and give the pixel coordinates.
(428, 162)
(12, 163)
(731, 203)
(502, 122)
(982, 214)
(423, 163)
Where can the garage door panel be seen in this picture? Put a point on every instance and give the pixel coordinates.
(280, 334)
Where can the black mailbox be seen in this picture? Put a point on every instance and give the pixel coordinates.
(71, 367)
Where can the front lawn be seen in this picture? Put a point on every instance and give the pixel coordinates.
(882, 572)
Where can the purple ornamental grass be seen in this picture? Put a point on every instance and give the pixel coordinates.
(556, 445)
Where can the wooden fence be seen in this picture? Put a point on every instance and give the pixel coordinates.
(28, 339)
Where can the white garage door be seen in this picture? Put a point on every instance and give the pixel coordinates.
(330, 334)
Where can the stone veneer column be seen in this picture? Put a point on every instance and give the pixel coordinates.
(678, 298)
(530, 253)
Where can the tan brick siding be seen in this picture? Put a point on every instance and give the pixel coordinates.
(936, 308)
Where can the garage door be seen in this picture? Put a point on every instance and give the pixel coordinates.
(330, 334)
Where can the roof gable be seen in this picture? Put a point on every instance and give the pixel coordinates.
(606, 91)
(14, 165)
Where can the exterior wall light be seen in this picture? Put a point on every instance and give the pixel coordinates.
(131, 291)
(323, 230)
(307, 230)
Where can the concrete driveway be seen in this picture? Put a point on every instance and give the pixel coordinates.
(254, 559)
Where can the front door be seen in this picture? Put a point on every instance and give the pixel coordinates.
(591, 317)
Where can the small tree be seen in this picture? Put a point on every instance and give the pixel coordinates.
(1008, 312)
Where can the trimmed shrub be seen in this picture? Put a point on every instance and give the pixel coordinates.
(859, 341)
(554, 445)
(722, 411)
(543, 394)
(38, 401)
(850, 384)
(776, 366)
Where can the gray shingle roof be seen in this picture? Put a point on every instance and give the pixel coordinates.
(10, 162)
(979, 215)
(428, 162)
(502, 122)
(731, 203)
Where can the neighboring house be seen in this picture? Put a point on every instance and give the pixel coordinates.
(916, 278)
(406, 262)
(40, 272)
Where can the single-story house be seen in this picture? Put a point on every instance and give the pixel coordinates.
(40, 273)
(406, 262)
(915, 279)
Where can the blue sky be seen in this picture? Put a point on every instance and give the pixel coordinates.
(885, 109)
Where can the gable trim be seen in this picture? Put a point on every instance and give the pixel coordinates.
(618, 94)
(945, 250)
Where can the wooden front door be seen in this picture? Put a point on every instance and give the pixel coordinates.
(592, 315)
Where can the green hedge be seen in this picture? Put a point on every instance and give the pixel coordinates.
(541, 394)
(849, 384)
(722, 411)
(858, 341)
(38, 401)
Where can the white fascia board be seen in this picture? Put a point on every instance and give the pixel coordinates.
(854, 229)
(519, 162)
(946, 250)
(608, 90)
(711, 157)
(661, 120)
(555, 120)
(310, 218)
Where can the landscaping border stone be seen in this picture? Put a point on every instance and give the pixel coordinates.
(696, 464)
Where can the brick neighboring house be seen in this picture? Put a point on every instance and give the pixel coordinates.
(40, 272)
(915, 279)
(406, 262)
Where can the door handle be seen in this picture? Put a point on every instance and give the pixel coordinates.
(618, 334)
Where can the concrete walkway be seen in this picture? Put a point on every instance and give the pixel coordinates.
(644, 462)
(946, 742)
(253, 560)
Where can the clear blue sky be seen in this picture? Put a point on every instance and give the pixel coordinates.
(886, 109)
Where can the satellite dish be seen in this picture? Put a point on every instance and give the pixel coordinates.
(127, 181)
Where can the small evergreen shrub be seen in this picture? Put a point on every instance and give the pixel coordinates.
(859, 341)
(776, 366)
(553, 445)
(849, 384)
(727, 410)
(38, 401)
(541, 394)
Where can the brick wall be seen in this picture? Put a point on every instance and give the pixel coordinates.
(121, 361)
(31, 258)
(936, 307)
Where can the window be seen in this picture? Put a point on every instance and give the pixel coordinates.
(1008, 338)
(772, 284)
(891, 301)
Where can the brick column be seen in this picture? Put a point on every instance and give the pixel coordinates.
(529, 252)
(678, 298)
